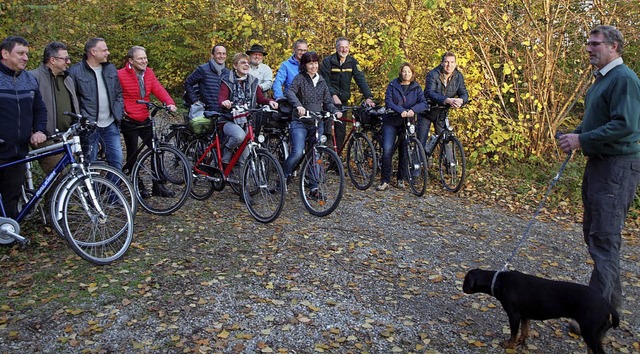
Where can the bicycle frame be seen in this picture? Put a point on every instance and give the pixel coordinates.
(68, 148)
(215, 144)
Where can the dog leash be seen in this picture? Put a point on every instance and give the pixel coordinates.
(525, 235)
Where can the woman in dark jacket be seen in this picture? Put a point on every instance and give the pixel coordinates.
(405, 98)
(308, 92)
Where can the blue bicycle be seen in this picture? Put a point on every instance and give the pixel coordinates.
(94, 214)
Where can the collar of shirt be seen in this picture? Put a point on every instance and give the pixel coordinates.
(610, 66)
(315, 80)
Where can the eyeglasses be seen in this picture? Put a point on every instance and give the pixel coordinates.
(243, 62)
(595, 43)
(64, 58)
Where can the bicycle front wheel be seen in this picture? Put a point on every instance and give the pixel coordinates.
(321, 181)
(453, 165)
(362, 164)
(263, 186)
(416, 167)
(97, 220)
(168, 172)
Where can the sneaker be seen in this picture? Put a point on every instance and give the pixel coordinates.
(382, 186)
(316, 195)
(400, 184)
(160, 190)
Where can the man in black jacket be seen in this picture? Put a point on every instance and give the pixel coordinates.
(23, 118)
(338, 70)
(100, 98)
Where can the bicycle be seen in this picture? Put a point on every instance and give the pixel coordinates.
(362, 162)
(96, 218)
(416, 160)
(162, 166)
(452, 163)
(262, 183)
(321, 175)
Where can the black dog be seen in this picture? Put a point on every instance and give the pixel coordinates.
(525, 297)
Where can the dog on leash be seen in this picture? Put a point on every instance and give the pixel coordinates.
(526, 297)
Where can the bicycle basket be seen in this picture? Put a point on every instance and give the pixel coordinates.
(201, 125)
(366, 117)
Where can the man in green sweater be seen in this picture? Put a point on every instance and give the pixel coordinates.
(608, 135)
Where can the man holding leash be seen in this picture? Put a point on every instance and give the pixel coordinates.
(608, 135)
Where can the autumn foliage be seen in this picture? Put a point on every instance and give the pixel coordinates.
(523, 61)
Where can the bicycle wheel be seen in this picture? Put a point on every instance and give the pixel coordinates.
(263, 186)
(168, 172)
(452, 164)
(361, 161)
(234, 180)
(99, 230)
(97, 169)
(321, 183)
(201, 186)
(179, 137)
(119, 179)
(416, 167)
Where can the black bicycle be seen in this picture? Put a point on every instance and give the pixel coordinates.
(163, 167)
(452, 164)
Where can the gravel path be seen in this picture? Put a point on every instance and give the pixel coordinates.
(382, 274)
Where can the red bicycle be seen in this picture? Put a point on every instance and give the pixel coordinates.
(261, 183)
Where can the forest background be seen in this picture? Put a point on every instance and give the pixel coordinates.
(523, 60)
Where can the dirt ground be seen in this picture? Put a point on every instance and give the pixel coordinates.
(382, 274)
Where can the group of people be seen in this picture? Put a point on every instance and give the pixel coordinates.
(32, 106)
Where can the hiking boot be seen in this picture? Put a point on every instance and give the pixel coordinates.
(159, 190)
(574, 327)
(382, 186)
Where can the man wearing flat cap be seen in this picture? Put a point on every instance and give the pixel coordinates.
(258, 68)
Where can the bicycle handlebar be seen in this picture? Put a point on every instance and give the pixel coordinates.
(81, 124)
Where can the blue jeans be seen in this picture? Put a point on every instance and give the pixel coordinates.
(389, 134)
(608, 188)
(110, 137)
(299, 133)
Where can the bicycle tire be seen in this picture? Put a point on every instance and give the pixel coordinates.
(362, 164)
(453, 168)
(99, 238)
(201, 186)
(98, 169)
(168, 172)
(323, 167)
(416, 167)
(179, 137)
(263, 186)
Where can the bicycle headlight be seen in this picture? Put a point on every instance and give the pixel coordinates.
(412, 129)
(323, 139)
(261, 138)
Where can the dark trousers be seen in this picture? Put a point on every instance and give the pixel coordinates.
(608, 188)
(131, 132)
(11, 179)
